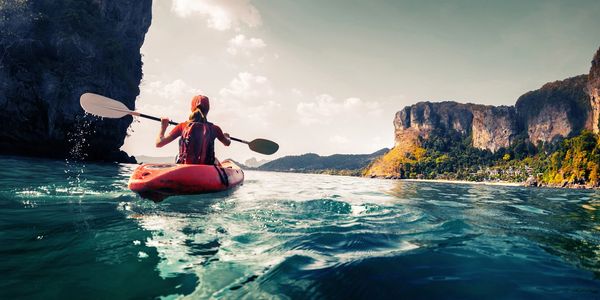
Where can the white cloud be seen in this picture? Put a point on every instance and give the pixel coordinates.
(325, 107)
(168, 99)
(173, 91)
(242, 45)
(247, 86)
(258, 113)
(248, 99)
(220, 15)
(312, 112)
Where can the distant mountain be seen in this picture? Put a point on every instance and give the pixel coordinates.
(312, 162)
(241, 165)
(254, 163)
(154, 159)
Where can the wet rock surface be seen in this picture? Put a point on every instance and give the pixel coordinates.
(51, 52)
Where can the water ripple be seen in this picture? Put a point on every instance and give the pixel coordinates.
(291, 236)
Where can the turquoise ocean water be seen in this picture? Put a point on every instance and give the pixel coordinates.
(74, 231)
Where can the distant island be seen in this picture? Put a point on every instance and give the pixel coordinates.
(255, 163)
(549, 138)
(337, 164)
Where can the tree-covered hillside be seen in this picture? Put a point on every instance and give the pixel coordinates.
(347, 164)
(570, 162)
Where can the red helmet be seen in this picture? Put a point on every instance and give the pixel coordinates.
(201, 101)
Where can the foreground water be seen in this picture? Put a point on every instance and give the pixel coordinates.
(69, 230)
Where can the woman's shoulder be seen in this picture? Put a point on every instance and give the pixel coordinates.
(179, 127)
(216, 128)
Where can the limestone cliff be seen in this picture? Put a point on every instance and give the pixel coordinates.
(53, 51)
(424, 117)
(490, 127)
(493, 127)
(593, 89)
(556, 110)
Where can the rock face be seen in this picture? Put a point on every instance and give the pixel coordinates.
(556, 110)
(51, 52)
(424, 117)
(491, 127)
(593, 89)
(435, 140)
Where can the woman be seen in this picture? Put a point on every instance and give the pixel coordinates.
(197, 143)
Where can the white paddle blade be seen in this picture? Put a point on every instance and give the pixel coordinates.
(104, 107)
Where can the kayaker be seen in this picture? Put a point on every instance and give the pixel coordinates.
(197, 143)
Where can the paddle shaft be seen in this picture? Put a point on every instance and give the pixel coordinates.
(154, 118)
(238, 140)
(174, 123)
(105, 107)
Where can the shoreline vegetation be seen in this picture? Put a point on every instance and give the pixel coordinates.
(571, 163)
(497, 183)
(548, 138)
(357, 173)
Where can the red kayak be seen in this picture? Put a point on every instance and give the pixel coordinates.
(158, 181)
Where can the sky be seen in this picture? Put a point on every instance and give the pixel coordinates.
(328, 76)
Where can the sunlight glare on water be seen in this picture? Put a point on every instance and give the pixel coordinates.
(284, 235)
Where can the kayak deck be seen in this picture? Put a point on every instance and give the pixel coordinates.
(158, 181)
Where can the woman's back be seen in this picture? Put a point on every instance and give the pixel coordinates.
(197, 143)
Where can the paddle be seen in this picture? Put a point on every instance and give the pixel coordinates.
(109, 108)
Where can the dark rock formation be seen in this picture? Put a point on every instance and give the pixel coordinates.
(556, 110)
(51, 52)
(593, 89)
(531, 182)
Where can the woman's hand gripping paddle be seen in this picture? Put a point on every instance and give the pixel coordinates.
(109, 108)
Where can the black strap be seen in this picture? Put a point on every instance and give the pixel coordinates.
(222, 175)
